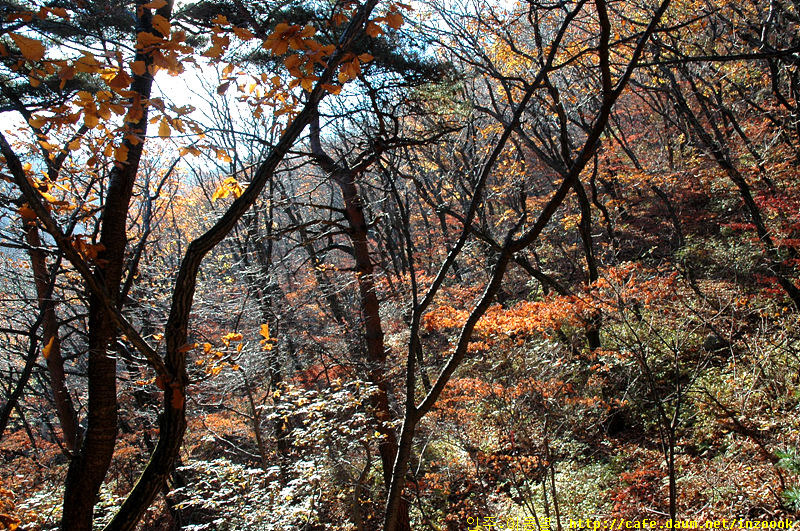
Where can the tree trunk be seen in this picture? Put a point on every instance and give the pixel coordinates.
(51, 342)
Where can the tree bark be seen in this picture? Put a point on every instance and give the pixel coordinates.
(51, 342)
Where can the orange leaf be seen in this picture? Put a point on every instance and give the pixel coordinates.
(36, 121)
(26, 213)
(232, 336)
(9, 522)
(121, 81)
(48, 348)
(121, 154)
(293, 61)
(265, 330)
(161, 25)
(60, 12)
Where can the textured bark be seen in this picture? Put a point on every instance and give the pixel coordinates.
(51, 342)
(89, 467)
(585, 230)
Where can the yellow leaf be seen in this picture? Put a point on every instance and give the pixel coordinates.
(163, 129)
(220, 193)
(190, 150)
(50, 198)
(161, 25)
(30, 48)
(48, 348)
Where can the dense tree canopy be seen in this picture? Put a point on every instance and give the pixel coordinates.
(374, 265)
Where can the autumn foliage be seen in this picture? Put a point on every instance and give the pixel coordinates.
(374, 265)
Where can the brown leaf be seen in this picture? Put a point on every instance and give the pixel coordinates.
(138, 68)
(394, 19)
(373, 30)
(32, 49)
